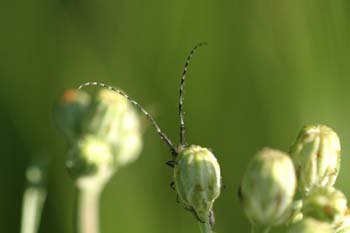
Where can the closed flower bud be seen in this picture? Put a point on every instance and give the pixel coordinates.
(326, 204)
(90, 162)
(316, 155)
(309, 225)
(113, 118)
(197, 180)
(268, 188)
(70, 111)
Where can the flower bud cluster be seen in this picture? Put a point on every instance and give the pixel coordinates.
(268, 191)
(103, 131)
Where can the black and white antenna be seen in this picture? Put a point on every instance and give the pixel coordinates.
(181, 98)
(162, 135)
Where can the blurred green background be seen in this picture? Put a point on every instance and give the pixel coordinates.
(271, 66)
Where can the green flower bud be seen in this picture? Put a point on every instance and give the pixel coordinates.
(197, 179)
(316, 155)
(310, 225)
(90, 162)
(268, 188)
(113, 118)
(326, 204)
(70, 111)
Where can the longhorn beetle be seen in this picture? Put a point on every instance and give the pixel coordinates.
(197, 179)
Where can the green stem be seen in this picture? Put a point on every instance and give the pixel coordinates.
(205, 227)
(34, 195)
(33, 201)
(260, 229)
(87, 212)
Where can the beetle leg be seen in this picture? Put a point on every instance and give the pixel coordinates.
(171, 163)
(211, 218)
(172, 185)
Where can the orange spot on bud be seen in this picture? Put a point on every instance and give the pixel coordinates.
(69, 96)
(328, 210)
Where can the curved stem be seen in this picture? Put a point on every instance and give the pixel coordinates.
(87, 212)
(205, 227)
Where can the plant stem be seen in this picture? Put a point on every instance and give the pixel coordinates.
(33, 201)
(205, 227)
(87, 212)
(260, 229)
(34, 195)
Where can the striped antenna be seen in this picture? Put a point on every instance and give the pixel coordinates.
(137, 105)
(181, 99)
